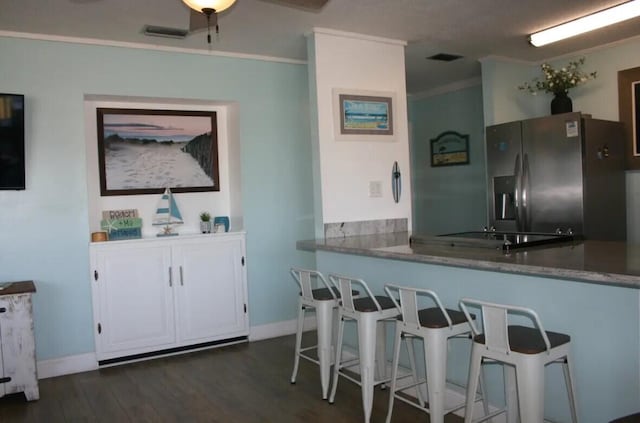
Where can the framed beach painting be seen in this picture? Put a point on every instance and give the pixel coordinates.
(363, 115)
(143, 151)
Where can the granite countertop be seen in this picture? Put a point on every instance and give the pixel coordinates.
(601, 262)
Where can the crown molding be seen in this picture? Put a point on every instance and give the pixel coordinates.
(143, 46)
(354, 35)
(445, 89)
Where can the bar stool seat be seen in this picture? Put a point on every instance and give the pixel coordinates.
(369, 312)
(367, 305)
(435, 326)
(328, 294)
(527, 349)
(633, 418)
(526, 340)
(435, 318)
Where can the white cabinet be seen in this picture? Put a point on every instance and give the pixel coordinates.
(154, 295)
(17, 345)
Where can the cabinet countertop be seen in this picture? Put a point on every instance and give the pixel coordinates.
(600, 262)
(160, 239)
(22, 287)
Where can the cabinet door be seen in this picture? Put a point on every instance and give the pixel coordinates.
(211, 290)
(135, 300)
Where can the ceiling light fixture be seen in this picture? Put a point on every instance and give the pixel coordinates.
(610, 16)
(210, 8)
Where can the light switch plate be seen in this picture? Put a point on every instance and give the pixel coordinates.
(375, 189)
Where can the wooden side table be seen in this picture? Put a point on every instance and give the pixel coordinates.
(17, 345)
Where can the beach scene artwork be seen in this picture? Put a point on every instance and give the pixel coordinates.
(365, 115)
(145, 151)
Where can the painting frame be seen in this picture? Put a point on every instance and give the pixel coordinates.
(174, 129)
(372, 118)
(449, 148)
(629, 113)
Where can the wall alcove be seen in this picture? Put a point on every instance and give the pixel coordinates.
(225, 202)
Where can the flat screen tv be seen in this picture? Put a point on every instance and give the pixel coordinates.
(12, 163)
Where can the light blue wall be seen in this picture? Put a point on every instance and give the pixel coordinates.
(602, 322)
(449, 198)
(44, 230)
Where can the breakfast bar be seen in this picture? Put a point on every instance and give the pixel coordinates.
(587, 289)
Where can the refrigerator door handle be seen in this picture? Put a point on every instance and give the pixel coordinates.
(518, 193)
(525, 194)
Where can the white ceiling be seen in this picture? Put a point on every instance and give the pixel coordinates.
(472, 28)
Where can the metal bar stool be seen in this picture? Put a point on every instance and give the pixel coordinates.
(369, 312)
(528, 349)
(323, 300)
(435, 326)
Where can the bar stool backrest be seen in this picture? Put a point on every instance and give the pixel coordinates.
(345, 284)
(305, 279)
(406, 301)
(495, 323)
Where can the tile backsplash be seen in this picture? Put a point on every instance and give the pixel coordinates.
(365, 227)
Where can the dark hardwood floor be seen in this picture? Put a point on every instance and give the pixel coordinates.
(239, 383)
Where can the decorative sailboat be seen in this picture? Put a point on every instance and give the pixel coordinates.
(167, 214)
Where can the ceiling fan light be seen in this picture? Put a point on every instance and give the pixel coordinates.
(606, 17)
(217, 5)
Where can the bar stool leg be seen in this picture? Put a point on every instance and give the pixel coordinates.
(511, 393)
(367, 331)
(414, 371)
(472, 382)
(338, 359)
(296, 359)
(324, 317)
(381, 352)
(435, 358)
(568, 379)
(394, 369)
(483, 392)
(530, 380)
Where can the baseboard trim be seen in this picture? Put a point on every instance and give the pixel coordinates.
(87, 362)
(67, 365)
(285, 327)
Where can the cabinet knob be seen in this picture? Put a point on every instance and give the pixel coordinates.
(3, 310)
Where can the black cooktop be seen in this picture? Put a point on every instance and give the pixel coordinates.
(499, 240)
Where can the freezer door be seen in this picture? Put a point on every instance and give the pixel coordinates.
(605, 214)
(504, 158)
(552, 196)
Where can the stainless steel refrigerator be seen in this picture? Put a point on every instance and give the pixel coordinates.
(561, 173)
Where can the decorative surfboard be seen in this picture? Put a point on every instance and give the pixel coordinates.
(396, 182)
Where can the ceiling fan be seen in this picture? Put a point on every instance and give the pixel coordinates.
(204, 12)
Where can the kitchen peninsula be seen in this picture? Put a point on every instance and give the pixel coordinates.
(587, 289)
(602, 262)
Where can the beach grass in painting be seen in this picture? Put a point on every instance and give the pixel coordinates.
(145, 151)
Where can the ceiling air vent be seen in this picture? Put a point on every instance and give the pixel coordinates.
(445, 57)
(162, 31)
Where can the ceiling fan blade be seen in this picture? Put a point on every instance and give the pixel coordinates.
(311, 5)
(198, 20)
